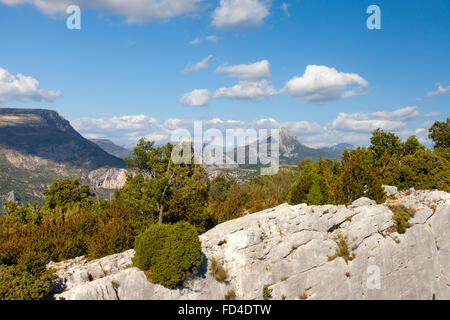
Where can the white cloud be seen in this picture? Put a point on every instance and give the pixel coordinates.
(128, 122)
(154, 137)
(240, 14)
(303, 127)
(253, 71)
(432, 115)
(420, 133)
(212, 38)
(195, 41)
(353, 128)
(135, 11)
(320, 84)
(201, 65)
(367, 122)
(440, 91)
(247, 90)
(124, 130)
(346, 122)
(196, 98)
(406, 113)
(23, 88)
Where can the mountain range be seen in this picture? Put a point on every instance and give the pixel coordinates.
(45, 134)
(38, 146)
(291, 150)
(112, 148)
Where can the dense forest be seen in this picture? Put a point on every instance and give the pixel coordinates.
(164, 206)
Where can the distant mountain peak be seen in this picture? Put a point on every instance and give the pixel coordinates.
(44, 133)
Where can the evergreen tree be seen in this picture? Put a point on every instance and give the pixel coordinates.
(382, 142)
(440, 134)
(412, 145)
(358, 177)
(66, 194)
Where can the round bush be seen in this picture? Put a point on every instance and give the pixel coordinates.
(167, 252)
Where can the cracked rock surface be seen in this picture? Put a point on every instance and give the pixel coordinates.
(301, 252)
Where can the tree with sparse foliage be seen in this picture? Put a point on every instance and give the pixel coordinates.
(156, 176)
(440, 134)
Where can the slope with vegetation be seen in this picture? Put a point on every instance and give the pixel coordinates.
(39, 146)
(159, 193)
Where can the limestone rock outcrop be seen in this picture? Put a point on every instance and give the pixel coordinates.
(108, 178)
(299, 252)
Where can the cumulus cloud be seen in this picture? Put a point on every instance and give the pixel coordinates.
(253, 71)
(124, 130)
(406, 113)
(240, 14)
(367, 122)
(320, 84)
(212, 38)
(440, 91)
(347, 122)
(134, 11)
(23, 88)
(195, 41)
(432, 115)
(196, 98)
(352, 128)
(201, 65)
(247, 90)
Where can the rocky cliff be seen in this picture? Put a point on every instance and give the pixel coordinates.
(298, 252)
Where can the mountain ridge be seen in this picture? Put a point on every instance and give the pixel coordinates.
(291, 149)
(46, 134)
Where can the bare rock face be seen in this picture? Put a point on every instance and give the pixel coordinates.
(300, 252)
(111, 179)
(76, 272)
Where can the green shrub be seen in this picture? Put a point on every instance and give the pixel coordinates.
(19, 284)
(424, 170)
(311, 186)
(167, 252)
(78, 232)
(267, 292)
(218, 272)
(342, 250)
(401, 219)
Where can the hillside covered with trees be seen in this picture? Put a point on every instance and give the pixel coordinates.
(178, 201)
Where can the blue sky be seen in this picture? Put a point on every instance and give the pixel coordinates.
(121, 75)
